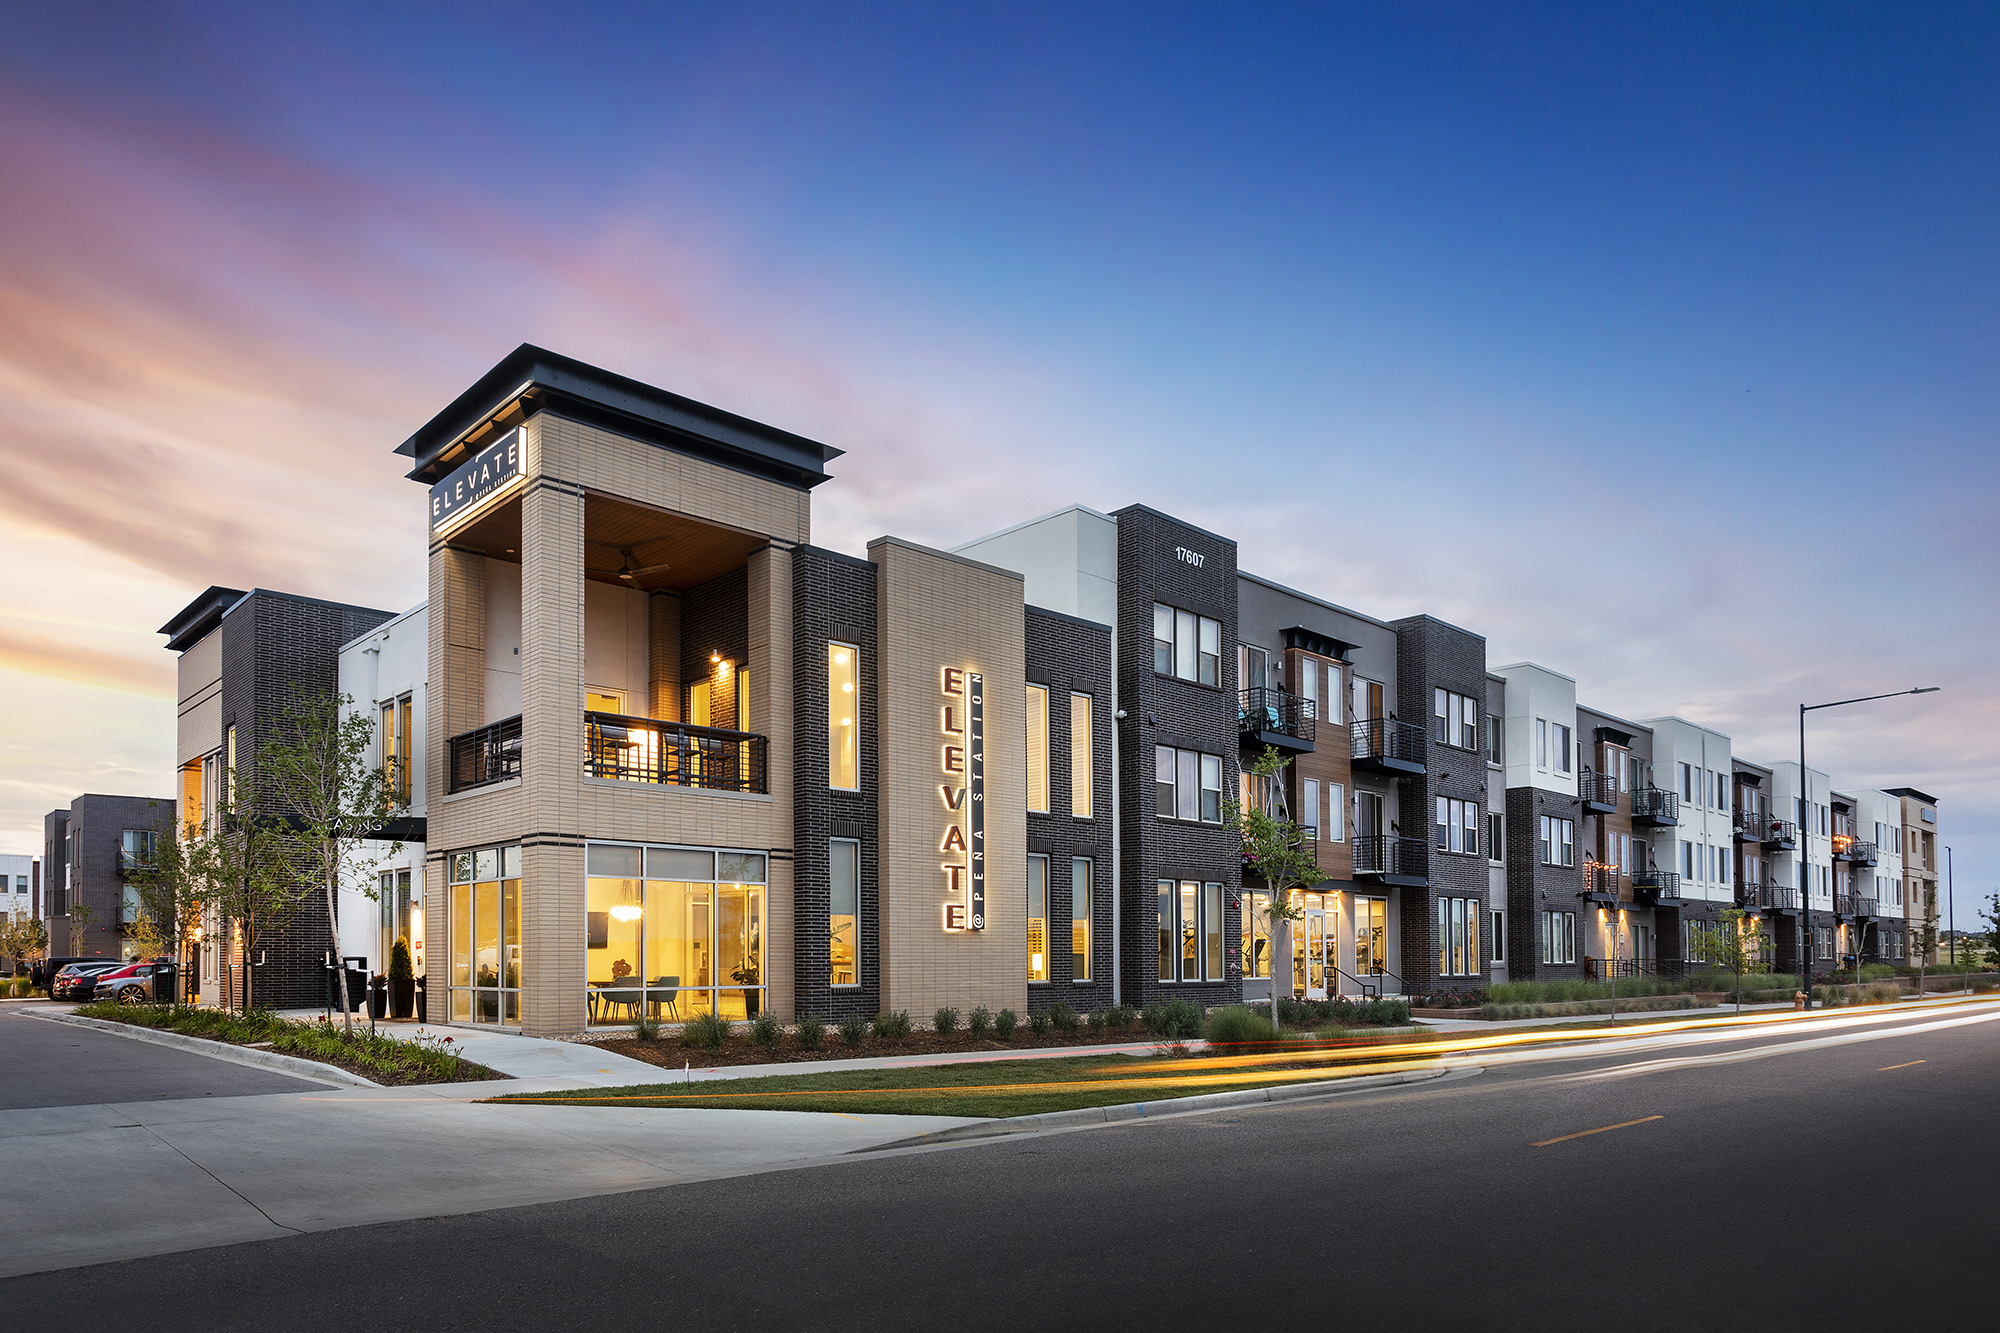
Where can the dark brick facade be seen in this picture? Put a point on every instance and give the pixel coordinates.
(833, 598)
(715, 622)
(1432, 655)
(82, 862)
(1534, 888)
(1161, 710)
(1068, 656)
(277, 649)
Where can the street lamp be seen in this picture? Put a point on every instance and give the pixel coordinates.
(1804, 804)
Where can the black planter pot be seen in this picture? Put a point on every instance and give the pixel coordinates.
(403, 996)
(378, 1000)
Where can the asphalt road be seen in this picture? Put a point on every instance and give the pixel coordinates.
(1774, 1183)
(50, 1064)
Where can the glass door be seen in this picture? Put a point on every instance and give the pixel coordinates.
(1316, 941)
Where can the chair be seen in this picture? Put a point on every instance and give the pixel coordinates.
(672, 998)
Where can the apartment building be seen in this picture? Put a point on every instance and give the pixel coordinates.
(88, 852)
(20, 884)
(1916, 837)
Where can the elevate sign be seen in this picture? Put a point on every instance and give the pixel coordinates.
(489, 472)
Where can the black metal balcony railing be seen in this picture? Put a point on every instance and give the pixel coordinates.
(1768, 897)
(1384, 854)
(491, 753)
(1853, 850)
(673, 754)
(1602, 969)
(1387, 745)
(1651, 805)
(1853, 904)
(1597, 791)
(1600, 879)
(1658, 885)
(1750, 824)
(1779, 834)
(1277, 717)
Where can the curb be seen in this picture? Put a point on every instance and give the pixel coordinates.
(220, 1050)
(1207, 1101)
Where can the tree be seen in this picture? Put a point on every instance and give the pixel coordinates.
(80, 917)
(172, 890)
(1924, 939)
(23, 939)
(247, 879)
(1275, 849)
(1738, 942)
(314, 780)
(1990, 938)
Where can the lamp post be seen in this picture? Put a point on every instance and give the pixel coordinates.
(1804, 802)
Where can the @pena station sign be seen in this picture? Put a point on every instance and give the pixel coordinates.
(487, 474)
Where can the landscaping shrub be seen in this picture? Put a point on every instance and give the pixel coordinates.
(386, 1059)
(1176, 1020)
(1093, 1022)
(854, 1029)
(1118, 1017)
(646, 1028)
(945, 1020)
(811, 1031)
(980, 1021)
(1237, 1026)
(706, 1032)
(767, 1031)
(1038, 1022)
(1062, 1017)
(892, 1027)
(1003, 1023)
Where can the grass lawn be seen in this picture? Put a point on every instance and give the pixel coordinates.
(999, 1089)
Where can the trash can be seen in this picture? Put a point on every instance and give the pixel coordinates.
(166, 982)
(357, 988)
(423, 1003)
(378, 998)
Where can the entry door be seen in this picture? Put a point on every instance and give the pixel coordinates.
(1368, 813)
(1318, 936)
(1369, 701)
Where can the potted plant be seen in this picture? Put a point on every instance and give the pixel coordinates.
(378, 997)
(402, 980)
(745, 974)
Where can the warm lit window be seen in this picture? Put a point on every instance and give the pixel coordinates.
(1079, 756)
(1080, 900)
(1190, 931)
(843, 716)
(395, 740)
(1038, 749)
(1038, 918)
(844, 920)
(229, 764)
(1255, 939)
(1458, 937)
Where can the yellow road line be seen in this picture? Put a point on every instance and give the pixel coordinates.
(1886, 1068)
(1603, 1129)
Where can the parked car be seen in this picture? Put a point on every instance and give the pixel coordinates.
(78, 981)
(138, 984)
(43, 975)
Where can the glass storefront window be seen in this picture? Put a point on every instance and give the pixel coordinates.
(485, 935)
(844, 916)
(1038, 918)
(673, 932)
(1079, 919)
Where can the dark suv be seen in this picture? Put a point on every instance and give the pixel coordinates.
(42, 975)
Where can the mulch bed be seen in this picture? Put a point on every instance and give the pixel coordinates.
(668, 1051)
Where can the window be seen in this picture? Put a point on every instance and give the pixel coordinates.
(1635, 773)
(1309, 804)
(1336, 813)
(395, 741)
(1079, 756)
(1038, 918)
(135, 849)
(1495, 731)
(485, 924)
(1080, 900)
(843, 731)
(1187, 646)
(229, 758)
(1496, 832)
(1559, 742)
(1455, 719)
(1558, 937)
(1188, 785)
(1190, 931)
(1309, 684)
(1457, 826)
(1499, 935)
(1038, 749)
(1557, 841)
(1541, 742)
(674, 932)
(1687, 782)
(1687, 860)
(1458, 937)
(844, 919)
(1254, 938)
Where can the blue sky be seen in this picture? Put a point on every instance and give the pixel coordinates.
(1654, 343)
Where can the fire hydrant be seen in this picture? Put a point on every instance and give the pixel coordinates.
(1798, 1000)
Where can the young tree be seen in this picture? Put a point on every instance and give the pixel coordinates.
(1924, 939)
(23, 939)
(313, 777)
(171, 889)
(1275, 849)
(247, 879)
(80, 917)
(1738, 942)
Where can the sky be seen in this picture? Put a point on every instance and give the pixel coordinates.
(1655, 343)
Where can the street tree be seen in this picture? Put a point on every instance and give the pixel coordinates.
(313, 779)
(172, 888)
(23, 939)
(246, 880)
(1738, 942)
(80, 917)
(1275, 849)
(1924, 939)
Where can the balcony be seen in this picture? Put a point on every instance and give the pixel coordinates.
(486, 755)
(1750, 825)
(1600, 882)
(1765, 897)
(1655, 808)
(1853, 904)
(1598, 792)
(1779, 835)
(1384, 745)
(1657, 886)
(1853, 850)
(1272, 717)
(1392, 860)
(673, 754)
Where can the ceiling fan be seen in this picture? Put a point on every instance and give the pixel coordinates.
(630, 572)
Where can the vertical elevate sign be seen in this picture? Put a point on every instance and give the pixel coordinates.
(975, 745)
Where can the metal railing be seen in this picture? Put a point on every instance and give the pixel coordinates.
(1604, 969)
(491, 753)
(1387, 742)
(1768, 897)
(1853, 904)
(673, 754)
(1657, 883)
(1597, 789)
(1655, 806)
(1777, 832)
(1262, 708)
(1384, 854)
(1750, 824)
(1846, 848)
(1598, 878)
